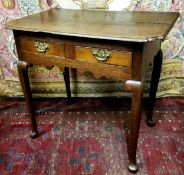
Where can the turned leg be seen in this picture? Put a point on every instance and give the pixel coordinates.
(24, 80)
(157, 64)
(67, 82)
(134, 123)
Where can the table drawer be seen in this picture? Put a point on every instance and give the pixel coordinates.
(40, 46)
(114, 57)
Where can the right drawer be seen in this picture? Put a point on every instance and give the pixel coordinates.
(107, 56)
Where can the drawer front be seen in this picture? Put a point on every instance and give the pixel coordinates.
(40, 46)
(114, 57)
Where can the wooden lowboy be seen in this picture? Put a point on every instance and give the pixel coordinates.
(116, 45)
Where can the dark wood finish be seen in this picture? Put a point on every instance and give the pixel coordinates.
(117, 25)
(24, 80)
(157, 65)
(137, 65)
(134, 124)
(71, 35)
(67, 82)
(134, 86)
(69, 54)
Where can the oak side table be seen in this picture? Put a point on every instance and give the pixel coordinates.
(108, 44)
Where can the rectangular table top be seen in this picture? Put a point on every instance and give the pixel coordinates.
(113, 25)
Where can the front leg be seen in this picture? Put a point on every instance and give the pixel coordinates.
(24, 80)
(157, 65)
(134, 123)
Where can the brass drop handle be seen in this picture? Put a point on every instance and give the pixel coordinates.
(41, 46)
(101, 54)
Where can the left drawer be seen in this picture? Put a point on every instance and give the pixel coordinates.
(40, 46)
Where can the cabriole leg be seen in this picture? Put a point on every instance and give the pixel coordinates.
(157, 65)
(134, 123)
(24, 80)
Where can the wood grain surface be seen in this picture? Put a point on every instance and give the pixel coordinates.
(117, 25)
